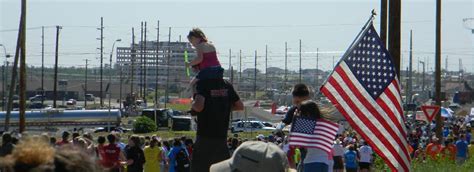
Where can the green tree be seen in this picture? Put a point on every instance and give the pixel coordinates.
(144, 125)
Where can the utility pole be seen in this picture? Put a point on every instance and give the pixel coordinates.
(240, 67)
(145, 58)
(417, 76)
(266, 67)
(317, 69)
(230, 63)
(395, 32)
(141, 60)
(410, 72)
(3, 87)
(120, 92)
(446, 65)
(383, 21)
(101, 62)
(42, 65)
(423, 77)
(55, 87)
(255, 77)
(461, 71)
(132, 56)
(23, 68)
(168, 67)
(85, 85)
(157, 61)
(300, 64)
(14, 72)
(286, 66)
(439, 122)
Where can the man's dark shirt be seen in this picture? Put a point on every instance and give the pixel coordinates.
(138, 157)
(289, 115)
(213, 120)
(6, 149)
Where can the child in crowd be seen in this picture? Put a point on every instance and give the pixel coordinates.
(206, 61)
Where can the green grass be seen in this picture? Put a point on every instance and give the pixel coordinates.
(441, 165)
(260, 94)
(179, 107)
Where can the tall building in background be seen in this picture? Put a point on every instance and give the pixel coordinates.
(177, 68)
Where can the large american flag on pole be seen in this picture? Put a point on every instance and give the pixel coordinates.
(364, 87)
(312, 133)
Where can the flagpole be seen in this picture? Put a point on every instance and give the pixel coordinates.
(364, 28)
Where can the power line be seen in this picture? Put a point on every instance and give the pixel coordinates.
(218, 26)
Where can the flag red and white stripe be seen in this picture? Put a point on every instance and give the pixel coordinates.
(321, 135)
(376, 114)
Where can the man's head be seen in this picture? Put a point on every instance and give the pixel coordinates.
(65, 135)
(111, 138)
(254, 156)
(300, 93)
(309, 108)
(6, 138)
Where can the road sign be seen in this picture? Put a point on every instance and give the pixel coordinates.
(430, 111)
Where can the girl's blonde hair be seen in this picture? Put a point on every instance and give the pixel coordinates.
(198, 33)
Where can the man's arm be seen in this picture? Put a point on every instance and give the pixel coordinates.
(198, 103)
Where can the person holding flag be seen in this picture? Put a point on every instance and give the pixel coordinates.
(311, 131)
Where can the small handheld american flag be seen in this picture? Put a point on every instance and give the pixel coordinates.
(312, 133)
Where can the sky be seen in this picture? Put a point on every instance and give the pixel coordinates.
(324, 25)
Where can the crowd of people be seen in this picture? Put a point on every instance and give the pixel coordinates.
(80, 153)
(455, 145)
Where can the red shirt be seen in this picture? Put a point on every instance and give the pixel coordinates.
(101, 154)
(449, 151)
(433, 150)
(190, 151)
(111, 155)
(62, 142)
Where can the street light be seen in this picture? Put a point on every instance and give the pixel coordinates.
(110, 81)
(5, 50)
(3, 75)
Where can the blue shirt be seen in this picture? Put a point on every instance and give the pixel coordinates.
(172, 156)
(461, 148)
(350, 158)
(445, 133)
(468, 138)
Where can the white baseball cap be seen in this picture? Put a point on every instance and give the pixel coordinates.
(254, 156)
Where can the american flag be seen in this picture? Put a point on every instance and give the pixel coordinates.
(364, 87)
(312, 133)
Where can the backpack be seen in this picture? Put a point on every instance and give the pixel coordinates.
(182, 160)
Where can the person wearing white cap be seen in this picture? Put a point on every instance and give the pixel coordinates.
(254, 156)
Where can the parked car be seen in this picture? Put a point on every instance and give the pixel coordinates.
(117, 129)
(36, 105)
(37, 98)
(71, 102)
(249, 126)
(90, 97)
(268, 124)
